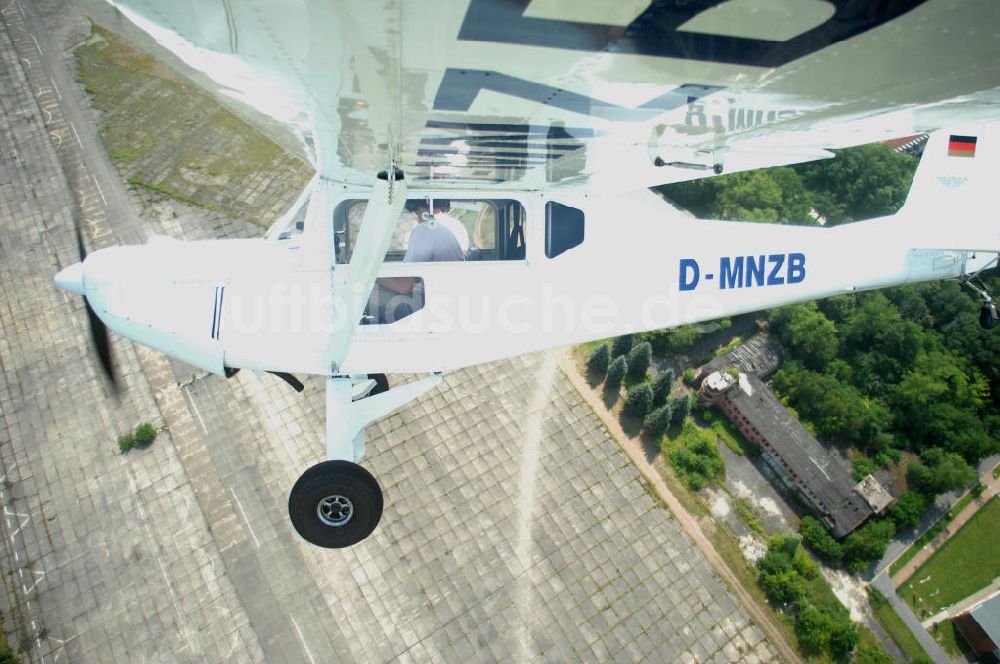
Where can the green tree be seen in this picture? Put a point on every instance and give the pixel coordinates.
(662, 385)
(938, 471)
(786, 587)
(837, 411)
(616, 371)
(859, 183)
(862, 467)
(658, 421)
(599, 360)
(680, 406)
(908, 510)
(844, 637)
(819, 540)
(639, 358)
(808, 335)
(621, 345)
(935, 378)
(695, 456)
(867, 544)
(812, 629)
(639, 401)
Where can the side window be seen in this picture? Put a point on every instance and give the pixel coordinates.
(462, 230)
(392, 299)
(563, 228)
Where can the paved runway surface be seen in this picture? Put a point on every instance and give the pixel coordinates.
(514, 528)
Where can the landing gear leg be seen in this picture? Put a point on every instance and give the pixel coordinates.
(337, 503)
(988, 315)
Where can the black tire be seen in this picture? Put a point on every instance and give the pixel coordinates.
(381, 384)
(986, 319)
(320, 499)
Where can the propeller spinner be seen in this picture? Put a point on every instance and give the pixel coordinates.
(72, 278)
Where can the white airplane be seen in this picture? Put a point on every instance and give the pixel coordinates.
(541, 124)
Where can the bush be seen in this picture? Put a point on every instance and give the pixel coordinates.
(816, 537)
(657, 422)
(938, 471)
(126, 442)
(662, 386)
(615, 373)
(868, 543)
(813, 630)
(639, 401)
(695, 457)
(680, 406)
(908, 510)
(599, 360)
(862, 467)
(844, 637)
(621, 345)
(786, 587)
(144, 434)
(638, 359)
(689, 377)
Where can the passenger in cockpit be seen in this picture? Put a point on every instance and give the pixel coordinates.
(437, 237)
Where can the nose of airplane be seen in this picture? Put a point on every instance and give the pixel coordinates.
(71, 278)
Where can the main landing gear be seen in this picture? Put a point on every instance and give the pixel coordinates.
(337, 503)
(988, 315)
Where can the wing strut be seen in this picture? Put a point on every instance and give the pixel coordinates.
(352, 283)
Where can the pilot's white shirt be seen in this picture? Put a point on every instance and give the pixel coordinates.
(457, 229)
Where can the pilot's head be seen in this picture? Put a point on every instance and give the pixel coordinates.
(441, 205)
(416, 205)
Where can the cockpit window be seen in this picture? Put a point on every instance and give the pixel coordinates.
(563, 228)
(438, 229)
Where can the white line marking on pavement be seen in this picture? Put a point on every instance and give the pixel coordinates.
(78, 141)
(302, 639)
(55, 87)
(99, 190)
(36, 44)
(245, 519)
(55, 135)
(144, 520)
(194, 409)
(232, 648)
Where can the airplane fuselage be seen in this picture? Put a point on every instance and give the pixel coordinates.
(642, 265)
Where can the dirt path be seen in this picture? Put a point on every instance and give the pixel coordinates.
(633, 447)
(992, 488)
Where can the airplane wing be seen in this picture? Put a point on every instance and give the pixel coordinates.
(541, 94)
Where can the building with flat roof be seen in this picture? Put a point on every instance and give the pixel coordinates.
(801, 461)
(760, 355)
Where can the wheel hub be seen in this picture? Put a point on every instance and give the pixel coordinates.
(335, 510)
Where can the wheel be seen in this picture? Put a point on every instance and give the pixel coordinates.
(335, 504)
(986, 319)
(381, 384)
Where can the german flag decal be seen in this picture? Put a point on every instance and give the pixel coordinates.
(961, 146)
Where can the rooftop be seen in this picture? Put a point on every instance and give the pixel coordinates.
(760, 355)
(820, 474)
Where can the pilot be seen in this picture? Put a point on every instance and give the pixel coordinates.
(437, 237)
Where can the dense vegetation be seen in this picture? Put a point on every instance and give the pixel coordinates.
(860, 183)
(791, 581)
(695, 457)
(904, 375)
